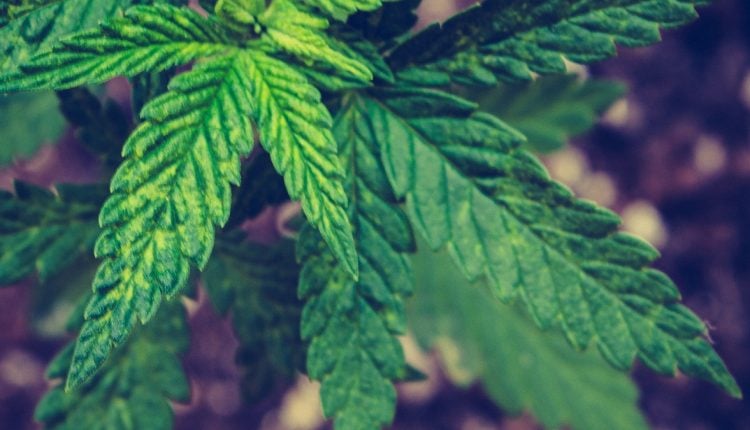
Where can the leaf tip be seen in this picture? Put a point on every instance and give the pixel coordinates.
(351, 264)
(74, 380)
(729, 384)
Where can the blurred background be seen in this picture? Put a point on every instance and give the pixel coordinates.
(672, 157)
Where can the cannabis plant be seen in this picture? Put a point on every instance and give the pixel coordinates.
(341, 106)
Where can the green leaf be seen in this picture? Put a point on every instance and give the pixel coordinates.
(352, 325)
(28, 27)
(521, 368)
(42, 124)
(257, 285)
(295, 128)
(300, 33)
(468, 186)
(350, 43)
(133, 390)
(354, 44)
(146, 38)
(341, 9)
(240, 14)
(552, 109)
(42, 232)
(352, 351)
(149, 85)
(496, 39)
(168, 195)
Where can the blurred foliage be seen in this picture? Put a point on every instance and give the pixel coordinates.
(42, 232)
(257, 286)
(132, 389)
(520, 367)
(42, 123)
(551, 109)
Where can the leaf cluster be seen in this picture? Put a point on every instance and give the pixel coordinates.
(338, 105)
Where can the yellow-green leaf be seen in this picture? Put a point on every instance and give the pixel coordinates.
(295, 128)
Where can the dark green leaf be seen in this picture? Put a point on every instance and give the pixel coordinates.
(28, 27)
(261, 186)
(509, 40)
(101, 127)
(257, 285)
(469, 187)
(392, 20)
(133, 389)
(351, 325)
(146, 38)
(42, 232)
(552, 109)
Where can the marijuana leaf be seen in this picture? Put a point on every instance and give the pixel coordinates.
(167, 196)
(242, 12)
(133, 388)
(351, 44)
(294, 124)
(470, 187)
(352, 350)
(43, 124)
(521, 368)
(341, 9)
(257, 284)
(301, 33)
(351, 325)
(462, 177)
(551, 109)
(295, 128)
(495, 39)
(149, 85)
(146, 38)
(174, 184)
(27, 28)
(44, 232)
